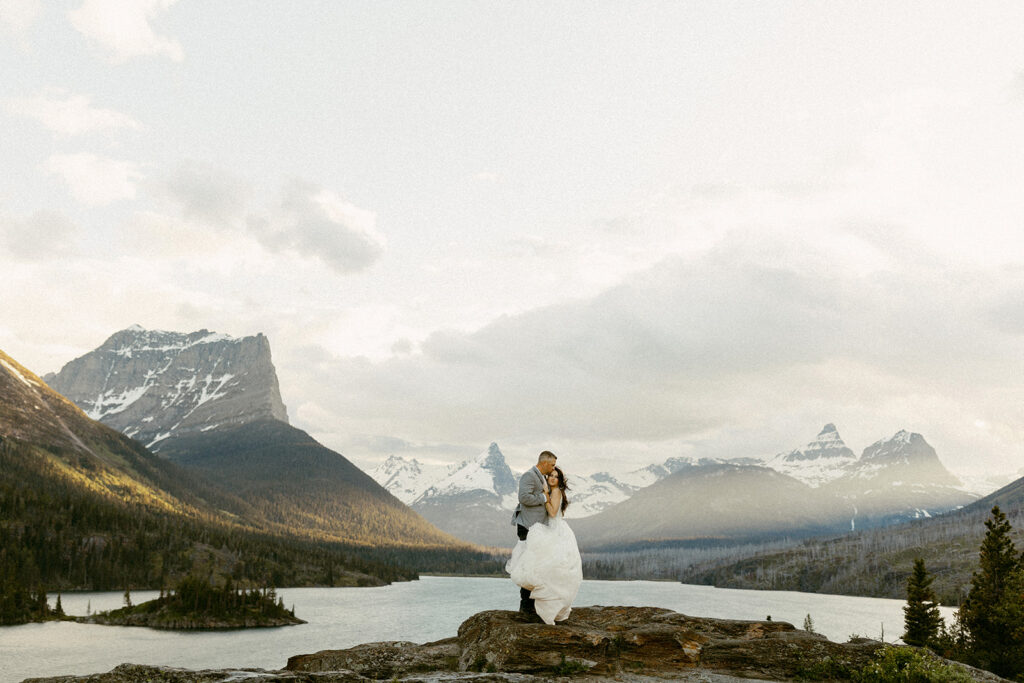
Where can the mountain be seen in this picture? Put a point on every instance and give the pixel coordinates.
(212, 404)
(893, 480)
(292, 483)
(904, 457)
(819, 462)
(589, 495)
(405, 479)
(474, 500)
(152, 385)
(712, 502)
(416, 484)
(84, 507)
(821, 489)
(897, 479)
(68, 444)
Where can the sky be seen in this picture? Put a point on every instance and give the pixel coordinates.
(619, 231)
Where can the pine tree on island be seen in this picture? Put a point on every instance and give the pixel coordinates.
(921, 617)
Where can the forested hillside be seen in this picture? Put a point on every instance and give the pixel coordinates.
(84, 507)
(876, 562)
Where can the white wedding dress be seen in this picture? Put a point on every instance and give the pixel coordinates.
(548, 564)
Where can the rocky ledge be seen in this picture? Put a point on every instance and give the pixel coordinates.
(595, 644)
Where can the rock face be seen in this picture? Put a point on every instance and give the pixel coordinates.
(153, 385)
(594, 644)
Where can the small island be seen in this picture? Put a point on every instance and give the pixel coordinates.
(198, 605)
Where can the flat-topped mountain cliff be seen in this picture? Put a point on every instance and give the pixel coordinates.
(84, 507)
(212, 404)
(152, 385)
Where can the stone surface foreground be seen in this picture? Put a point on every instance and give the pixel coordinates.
(594, 644)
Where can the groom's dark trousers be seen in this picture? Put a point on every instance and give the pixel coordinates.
(525, 601)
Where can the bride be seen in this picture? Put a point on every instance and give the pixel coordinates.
(548, 562)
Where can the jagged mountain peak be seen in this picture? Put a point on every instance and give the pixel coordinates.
(818, 462)
(154, 384)
(137, 338)
(405, 478)
(487, 473)
(901, 446)
(903, 458)
(491, 458)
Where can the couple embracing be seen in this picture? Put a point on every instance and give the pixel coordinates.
(545, 563)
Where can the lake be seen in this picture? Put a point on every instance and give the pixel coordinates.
(419, 611)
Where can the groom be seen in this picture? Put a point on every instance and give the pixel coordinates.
(533, 490)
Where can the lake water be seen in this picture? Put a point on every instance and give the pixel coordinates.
(419, 611)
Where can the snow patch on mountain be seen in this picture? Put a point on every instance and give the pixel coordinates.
(17, 375)
(821, 461)
(406, 479)
(488, 475)
(487, 472)
(153, 385)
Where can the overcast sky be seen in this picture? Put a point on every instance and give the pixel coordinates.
(620, 231)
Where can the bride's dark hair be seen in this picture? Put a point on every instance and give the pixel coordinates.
(563, 486)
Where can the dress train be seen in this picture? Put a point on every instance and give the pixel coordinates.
(548, 564)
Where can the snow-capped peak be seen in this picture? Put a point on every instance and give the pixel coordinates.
(153, 385)
(819, 462)
(406, 479)
(900, 447)
(487, 472)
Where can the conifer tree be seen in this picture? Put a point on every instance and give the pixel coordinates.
(993, 614)
(921, 618)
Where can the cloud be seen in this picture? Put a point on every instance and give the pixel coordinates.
(41, 236)
(123, 28)
(67, 114)
(744, 339)
(96, 180)
(18, 16)
(205, 193)
(314, 222)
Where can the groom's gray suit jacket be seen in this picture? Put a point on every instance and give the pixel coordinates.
(531, 499)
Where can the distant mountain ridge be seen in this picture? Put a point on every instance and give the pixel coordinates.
(821, 489)
(830, 490)
(474, 499)
(153, 385)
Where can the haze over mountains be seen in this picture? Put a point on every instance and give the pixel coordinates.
(822, 487)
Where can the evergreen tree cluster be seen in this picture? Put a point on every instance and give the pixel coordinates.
(198, 600)
(58, 535)
(988, 631)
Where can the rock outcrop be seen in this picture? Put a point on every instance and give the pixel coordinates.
(154, 385)
(594, 644)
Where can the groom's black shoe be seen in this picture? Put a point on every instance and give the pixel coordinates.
(530, 617)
